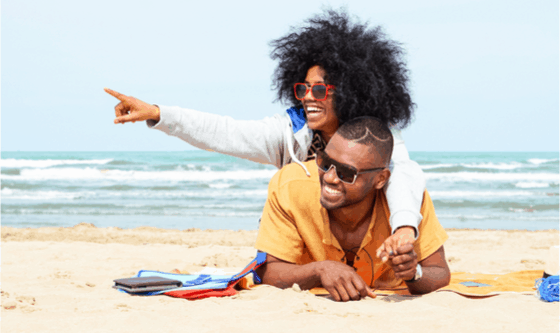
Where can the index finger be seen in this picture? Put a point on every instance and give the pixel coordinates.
(115, 94)
(360, 286)
(371, 293)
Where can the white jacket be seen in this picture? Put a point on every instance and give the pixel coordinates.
(282, 139)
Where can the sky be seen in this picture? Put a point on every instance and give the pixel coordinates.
(484, 74)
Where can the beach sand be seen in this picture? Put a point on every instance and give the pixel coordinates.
(59, 280)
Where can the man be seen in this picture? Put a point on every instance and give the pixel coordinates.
(323, 230)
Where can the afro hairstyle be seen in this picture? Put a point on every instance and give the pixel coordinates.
(365, 66)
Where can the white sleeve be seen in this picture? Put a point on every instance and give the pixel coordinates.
(260, 141)
(405, 188)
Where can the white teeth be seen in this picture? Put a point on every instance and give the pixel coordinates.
(313, 109)
(331, 191)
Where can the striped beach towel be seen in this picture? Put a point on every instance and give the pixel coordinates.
(198, 286)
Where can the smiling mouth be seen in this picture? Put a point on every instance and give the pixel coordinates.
(312, 109)
(332, 191)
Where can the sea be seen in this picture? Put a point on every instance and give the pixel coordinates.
(206, 190)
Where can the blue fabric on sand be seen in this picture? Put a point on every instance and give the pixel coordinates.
(547, 288)
(297, 116)
(203, 281)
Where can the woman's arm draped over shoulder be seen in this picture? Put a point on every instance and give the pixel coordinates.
(260, 141)
(405, 188)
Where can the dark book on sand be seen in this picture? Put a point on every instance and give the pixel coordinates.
(144, 284)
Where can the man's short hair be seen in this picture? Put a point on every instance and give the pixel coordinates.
(371, 132)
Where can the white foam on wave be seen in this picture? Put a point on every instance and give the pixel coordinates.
(482, 176)
(139, 211)
(221, 185)
(199, 194)
(17, 163)
(470, 194)
(496, 166)
(214, 214)
(8, 193)
(231, 206)
(507, 217)
(538, 161)
(532, 185)
(89, 173)
(437, 166)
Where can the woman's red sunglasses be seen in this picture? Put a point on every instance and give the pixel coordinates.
(319, 91)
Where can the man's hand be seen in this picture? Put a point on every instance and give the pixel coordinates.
(132, 109)
(404, 262)
(342, 281)
(401, 237)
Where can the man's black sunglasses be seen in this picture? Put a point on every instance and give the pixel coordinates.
(345, 173)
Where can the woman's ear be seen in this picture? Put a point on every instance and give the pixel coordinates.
(381, 178)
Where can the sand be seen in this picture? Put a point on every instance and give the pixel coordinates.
(59, 280)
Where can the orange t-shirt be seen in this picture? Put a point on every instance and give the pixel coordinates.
(295, 227)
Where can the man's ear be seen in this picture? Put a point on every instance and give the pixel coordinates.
(381, 178)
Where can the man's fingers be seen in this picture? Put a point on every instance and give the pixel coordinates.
(370, 293)
(402, 259)
(360, 286)
(115, 94)
(334, 293)
(344, 297)
(353, 289)
(406, 275)
(404, 266)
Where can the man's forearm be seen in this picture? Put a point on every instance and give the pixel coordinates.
(432, 279)
(284, 275)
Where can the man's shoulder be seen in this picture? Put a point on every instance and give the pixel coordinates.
(291, 186)
(294, 174)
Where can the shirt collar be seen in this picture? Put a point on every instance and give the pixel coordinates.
(378, 210)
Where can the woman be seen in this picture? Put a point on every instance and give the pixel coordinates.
(332, 70)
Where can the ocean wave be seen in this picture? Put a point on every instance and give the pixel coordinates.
(121, 162)
(481, 176)
(230, 194)
(220, 185)
(18, 163)
(470, 194)
(532, 185)
(497, 166)
(437, 166)
(8, 193)
(89, 173)
(519, 217)
(488, 165)
(539, 161)
(136, 212)
(502, 205)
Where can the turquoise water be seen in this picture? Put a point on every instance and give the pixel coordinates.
(180, 190)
